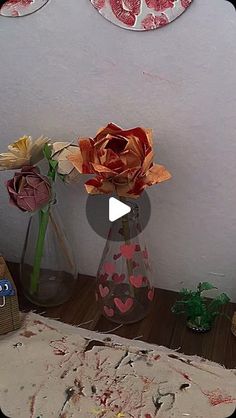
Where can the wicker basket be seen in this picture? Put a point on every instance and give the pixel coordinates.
(9, 313)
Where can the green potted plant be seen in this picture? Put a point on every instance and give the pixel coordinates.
(200, 312)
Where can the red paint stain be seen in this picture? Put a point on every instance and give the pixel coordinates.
(216, 397)
(59, 347)
(105, 397)
(33, 400)
(32, 405)
(186, 376)
(27, 334)
(37, 322)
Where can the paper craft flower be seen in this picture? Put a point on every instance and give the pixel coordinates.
(29, 190)
(60, 153)
(122, 161)
(24, 151)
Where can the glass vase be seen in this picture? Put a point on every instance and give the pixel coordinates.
(48, 271)
(124, 291)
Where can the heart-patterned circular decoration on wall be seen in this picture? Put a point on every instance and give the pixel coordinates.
(141, 15)
(18, 8)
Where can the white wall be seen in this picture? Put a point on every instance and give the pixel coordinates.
(65, 71)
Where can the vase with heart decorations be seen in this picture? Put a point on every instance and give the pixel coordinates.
(124, 291)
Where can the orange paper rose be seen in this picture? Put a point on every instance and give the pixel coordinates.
(122, 161)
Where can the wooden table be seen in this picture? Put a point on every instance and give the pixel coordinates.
(161, 327)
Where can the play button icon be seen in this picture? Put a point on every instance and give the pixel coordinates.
(106, 211)
(117, 209)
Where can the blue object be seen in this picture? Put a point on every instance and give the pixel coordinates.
(6, 288)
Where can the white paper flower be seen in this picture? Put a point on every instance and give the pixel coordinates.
(60, 153)
(25, 151)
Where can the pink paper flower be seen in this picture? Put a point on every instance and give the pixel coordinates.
(29, 190)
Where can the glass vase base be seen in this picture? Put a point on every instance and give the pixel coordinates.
(54, 288)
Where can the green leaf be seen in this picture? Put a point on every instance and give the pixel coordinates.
(47, 151)
(205, 286)
(222, 298)
(62, 177)
(53, 164)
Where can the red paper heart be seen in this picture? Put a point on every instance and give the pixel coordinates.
(103, 291)
(109, 268)
(108, 311)
(123, 306)
(136, 281)
(118, 278)
(151, 294)
(127, 250)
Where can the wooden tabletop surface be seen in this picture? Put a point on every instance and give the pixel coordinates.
(160, 327)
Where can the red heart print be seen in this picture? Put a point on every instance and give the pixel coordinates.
(134, 264)
(146, 281)
(137, 247)
(108, 311)
(109, 268)
(118, 278)
(136, 281)
(123, 306)
(116, 256)
(103, 291)
(103, 277)
(151, 294)
(145, 254)
(127, 250)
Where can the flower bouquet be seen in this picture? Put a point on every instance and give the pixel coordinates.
(48, 271)
(121, 162)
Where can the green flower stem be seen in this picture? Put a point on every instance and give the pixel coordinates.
(43, 223)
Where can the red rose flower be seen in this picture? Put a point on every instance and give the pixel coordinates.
(122, 161)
